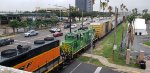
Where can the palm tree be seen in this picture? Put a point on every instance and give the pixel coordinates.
(145, 11)
(110, 9)
(23, 24)
(126, 9)
(104, 5)
(136, 10)
(122, 7)
(133, 11)
(107, 1)
(130, 19)
(100, 5)
(14, 24)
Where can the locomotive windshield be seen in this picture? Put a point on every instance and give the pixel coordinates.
(70, 37)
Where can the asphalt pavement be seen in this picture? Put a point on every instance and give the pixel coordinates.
(19, 39)
(80, 67)
(138, 44)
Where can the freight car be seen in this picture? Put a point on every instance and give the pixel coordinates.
(39, 58)
(101, 28)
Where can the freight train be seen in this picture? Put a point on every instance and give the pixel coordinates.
(51, 55)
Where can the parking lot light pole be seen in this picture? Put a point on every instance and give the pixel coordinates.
(115, 45)
(70, 17)
(91, 49)
(60, 10)
(82, 18)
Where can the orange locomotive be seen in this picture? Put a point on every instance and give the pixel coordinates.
(41, 58)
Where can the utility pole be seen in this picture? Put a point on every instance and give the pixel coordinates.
(60, 14)
(59, 11)
(99, 9)
(70, 17)
(115, 45)
(91, 49)
(82, 18)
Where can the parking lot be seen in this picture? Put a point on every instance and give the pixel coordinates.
(20, 39)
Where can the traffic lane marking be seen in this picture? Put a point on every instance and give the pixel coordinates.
(110, 70)
(23, 41)
(85, 68)
(71, 66)
(75, 67)
(98, 70)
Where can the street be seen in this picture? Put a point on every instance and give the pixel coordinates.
(79, 67)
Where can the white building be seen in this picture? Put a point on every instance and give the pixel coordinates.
(62, 9)
(140, 26)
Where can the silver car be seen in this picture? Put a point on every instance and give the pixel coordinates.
(31, 33)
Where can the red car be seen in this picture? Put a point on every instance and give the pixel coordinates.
(57, 34)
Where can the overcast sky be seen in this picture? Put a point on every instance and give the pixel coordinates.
(29, 5)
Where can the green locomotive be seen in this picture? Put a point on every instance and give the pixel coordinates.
(76, 41)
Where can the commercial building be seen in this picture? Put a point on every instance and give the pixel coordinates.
(85, 5)
(52, 9)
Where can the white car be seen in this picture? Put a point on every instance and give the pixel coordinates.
(53, 30)
(31, 33)
(85, 23)
(73, 26)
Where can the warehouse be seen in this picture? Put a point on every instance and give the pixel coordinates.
(140, 26)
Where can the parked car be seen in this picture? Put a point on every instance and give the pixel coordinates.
(6, 41)
(83, 28)
(31, 33)
(57, 34)
(88, 23)
(49, 38)
(73, 26)
(53, 30)
(66, 26)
